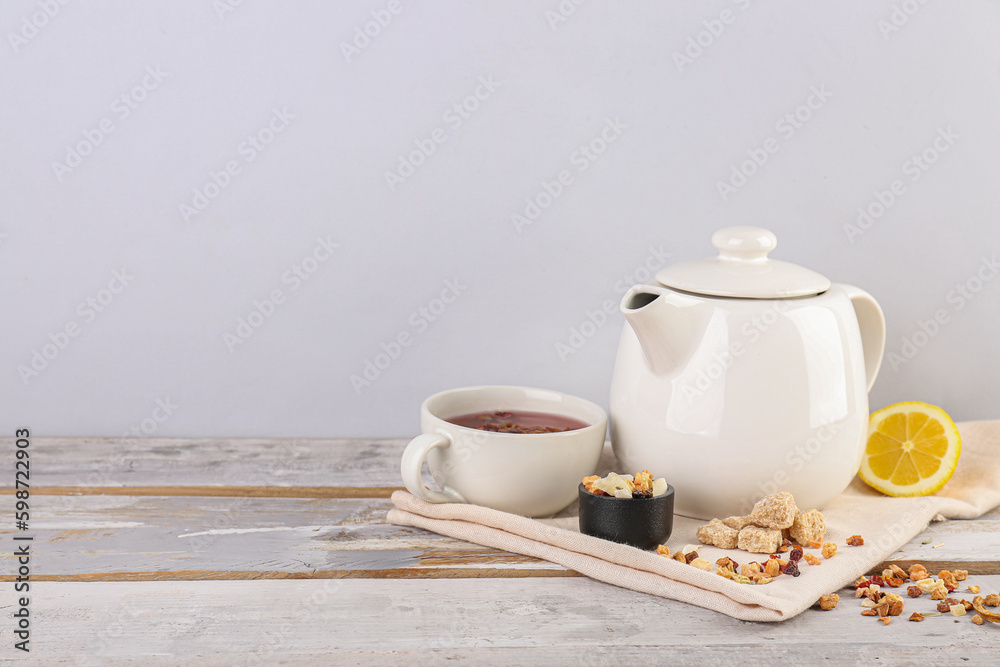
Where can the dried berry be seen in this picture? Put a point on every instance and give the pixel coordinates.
(914, 591)
(862, 583)
(878, 580)
(855, 541)
(893, 582)
(792, 568)
(795, 554)
(943, 607)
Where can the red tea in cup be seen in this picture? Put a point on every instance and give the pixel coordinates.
(518, 421)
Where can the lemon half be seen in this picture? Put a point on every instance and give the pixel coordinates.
(913, 449)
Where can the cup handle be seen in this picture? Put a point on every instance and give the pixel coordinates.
(413, 461)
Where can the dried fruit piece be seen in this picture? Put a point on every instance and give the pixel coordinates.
(885, 620)
(893, 582)
(949, 579)
(643, 483)
(914, 591)
(928, 585)
(808, 527)
(829, 549)
(679, 556)
(895, 607)
(957, 610)
(966, 604)
(916, 617)
(828, 602)
(990, 616)
(702, 564)
(759, 540)
(973, 588)
(750, 569)
(855, 541)
(977, 619)
(774, 511)
(812, 560)
(719, 535)
(727, 563)
(899, 572)
(786, 543)
(791, 568)
(814, 544)
(663, 550)
(992, 600)
(796, 554)
(690, 556)
(772, 568)
(961, 575)
(918, 572)
(869, 612)
(943, 607)
(938, 594)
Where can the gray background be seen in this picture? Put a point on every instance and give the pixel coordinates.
(894, 80)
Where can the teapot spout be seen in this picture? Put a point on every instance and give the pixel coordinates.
(668, 324)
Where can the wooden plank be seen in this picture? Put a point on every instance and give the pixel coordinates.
(265, 622)
(167, 462)
(133, 537)
(217, 491)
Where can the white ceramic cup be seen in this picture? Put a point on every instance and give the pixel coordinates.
(532, 474)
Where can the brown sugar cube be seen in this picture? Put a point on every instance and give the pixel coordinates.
(829, 549)
(808, 527)
(719, 535)
(759, 540)
(737, 522)
(774, 511)
(828, 602)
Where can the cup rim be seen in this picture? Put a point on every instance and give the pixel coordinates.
(598, 424)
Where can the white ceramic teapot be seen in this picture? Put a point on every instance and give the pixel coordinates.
(740, 376)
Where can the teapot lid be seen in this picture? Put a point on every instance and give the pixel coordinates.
(743, 269)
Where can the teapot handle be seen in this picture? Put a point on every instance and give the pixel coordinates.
(872, 324)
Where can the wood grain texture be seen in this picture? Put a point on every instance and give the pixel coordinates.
(159, 462)
(568, 620)
(106, 538)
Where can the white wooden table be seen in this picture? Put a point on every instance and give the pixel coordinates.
(276, 552)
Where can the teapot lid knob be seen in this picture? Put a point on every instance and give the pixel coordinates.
(744, 243)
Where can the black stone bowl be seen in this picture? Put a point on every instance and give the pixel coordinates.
(639, 522)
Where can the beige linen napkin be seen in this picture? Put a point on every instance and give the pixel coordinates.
(885, 523)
